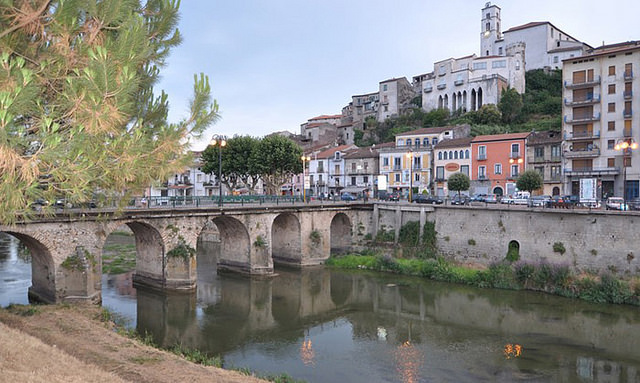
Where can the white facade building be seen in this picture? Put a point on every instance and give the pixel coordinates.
(449, 157)
(545, 45)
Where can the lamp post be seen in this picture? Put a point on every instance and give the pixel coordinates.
(410, 159)
(304, 160)
(220, 142)
(626, 146)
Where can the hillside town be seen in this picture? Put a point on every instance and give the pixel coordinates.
(597, 93)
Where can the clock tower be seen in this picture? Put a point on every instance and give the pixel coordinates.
(490, 29)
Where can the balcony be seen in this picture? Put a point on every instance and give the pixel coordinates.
(627, 132)
(535, 159)
(482, 177)
(592, 171)
(583, 153)
(320, 169)
(578, 136)
(482, 157)
(458, 82)
(581, 119)
(441, 86)
(514, 155)
(628, 94)
(428, 89)
(552, 179)
(584, 84)
(627, 113)
(628, 75)
(590, 99)
(397, 168)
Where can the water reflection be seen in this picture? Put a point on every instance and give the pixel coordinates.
(328, 326)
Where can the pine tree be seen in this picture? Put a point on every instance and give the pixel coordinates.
(77, 110)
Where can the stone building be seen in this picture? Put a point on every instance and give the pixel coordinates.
(544, 154)
(361, 168)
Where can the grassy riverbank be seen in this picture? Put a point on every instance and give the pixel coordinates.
(546, 277)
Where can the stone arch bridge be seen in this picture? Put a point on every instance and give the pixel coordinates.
(66, 249)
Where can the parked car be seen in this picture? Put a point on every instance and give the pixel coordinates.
(347, 197)
(616, 203)
(634, 204)
(460, 199)
(394, 197)
(430, 199)
(478, 198)
(539, 200)
(491, 198)
(383, 195)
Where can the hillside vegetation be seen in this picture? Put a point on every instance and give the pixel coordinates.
(539, 108)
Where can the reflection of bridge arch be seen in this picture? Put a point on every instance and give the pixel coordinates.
(43, 280)
(340, 233)
(234, 243)
(286, 246)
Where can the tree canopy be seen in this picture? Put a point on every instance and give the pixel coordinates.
(458, 182)
(529, 180)
(78, 114)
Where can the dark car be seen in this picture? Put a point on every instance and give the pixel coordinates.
(460, 199)
(430, 199)
(347, 197)
(390, 197)
(634, 204)
(478, 198)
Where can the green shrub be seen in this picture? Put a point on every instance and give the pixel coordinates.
(410, 234)
(558, 247)
(524, 272)
(471, 242)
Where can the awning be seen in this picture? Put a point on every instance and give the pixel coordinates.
(180, 186)
(354, 189)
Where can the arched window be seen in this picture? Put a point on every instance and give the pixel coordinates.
(426, 142)
(439, 155)
(450, 155)
(461, 154)
(400, 142)
(409, 142)
(417, 142)
(446, 156)
(455, 155)
(466, 154)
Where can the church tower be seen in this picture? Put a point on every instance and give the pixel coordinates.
(490, 31)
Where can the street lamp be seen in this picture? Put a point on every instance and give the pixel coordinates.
(410, 159)
(220, 142)
(304, 159)
(626, 146)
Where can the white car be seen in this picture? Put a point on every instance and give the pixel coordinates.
(616, 203)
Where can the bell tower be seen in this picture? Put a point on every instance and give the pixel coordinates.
(490, 29)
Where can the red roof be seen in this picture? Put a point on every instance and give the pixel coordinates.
(326, 117)
(501, 137)
(330, 152)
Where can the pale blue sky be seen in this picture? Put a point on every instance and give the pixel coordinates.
(273, 64)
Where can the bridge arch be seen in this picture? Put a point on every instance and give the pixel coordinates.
(43, 278)
(150, 251)
(234, 244)
(286, 244)
(340, 233)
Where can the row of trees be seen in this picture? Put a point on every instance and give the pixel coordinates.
(247, 160)
(529, 180)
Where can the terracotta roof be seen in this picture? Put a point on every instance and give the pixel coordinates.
(326, 117)
(501, 137)
(546, 137)
(425, 131)
(454, 143)
(609, 49)
(368, 152)
(330, 152)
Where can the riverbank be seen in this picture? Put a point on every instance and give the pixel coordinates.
(550, 278)
(62, 343)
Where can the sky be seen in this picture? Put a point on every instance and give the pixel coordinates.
(274, 64)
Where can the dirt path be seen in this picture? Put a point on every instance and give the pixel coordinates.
(72, 344)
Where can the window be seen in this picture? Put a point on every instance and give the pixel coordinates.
(311, 178)
(199, 178)
(337, 156)
(497, 168)
(480, 65)
(540, 169)
(366, 165)
(612, 70)
(499, 64)
(482, 152)
(482, 171)
(612, 88)
(611, 144)
(400, 142)
(353, 166)
(465, 170)
(336, 169)
(455, 155)
(320, 166)
(440, 172)
(440, 156)
(555, 172)
(397, 178)
(365, 179)
(409, 142)
(611, 107)
(611, 126)
(538, 151)
(386, 108)
(627, 162)
(385, 161)
(515, 150)
(416, 177)
(320, 178)
(611, 162)
(466, 154)
(461, 154)
(446, 155)
(384, 88)
(434, 141)
(353, 181)
(500, 51)
(450, 155)
(425, 142)
(397, 163)
(487, 27)
(555, 59)
(514, 170)
(555, 151)
(417, 162)
(488, 15)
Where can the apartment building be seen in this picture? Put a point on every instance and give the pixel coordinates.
(601, 131)
(327, 170)
(496, 162)
(395, 97)
(467, 83)
(449, 157)
(361, 167)
(321, 128)
(544, 154)
(546, 46)
(191, 182)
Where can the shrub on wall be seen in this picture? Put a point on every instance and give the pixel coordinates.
(558, 247)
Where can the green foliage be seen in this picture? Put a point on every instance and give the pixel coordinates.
(513, 253)
(260, 242)
(458, 182)
(529, 180)
(510, 105)
(118, 258)
(385, 236)
(238, 162)
(410, 234)
(488, 114)
(315, 237)
(471, 242)
(77, 79)
(558, 247)
(196, 356)
(182, 250)
(277, 159)
(73, 263)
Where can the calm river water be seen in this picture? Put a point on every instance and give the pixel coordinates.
(322, 325)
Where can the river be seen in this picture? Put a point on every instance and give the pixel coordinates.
(322, 325)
